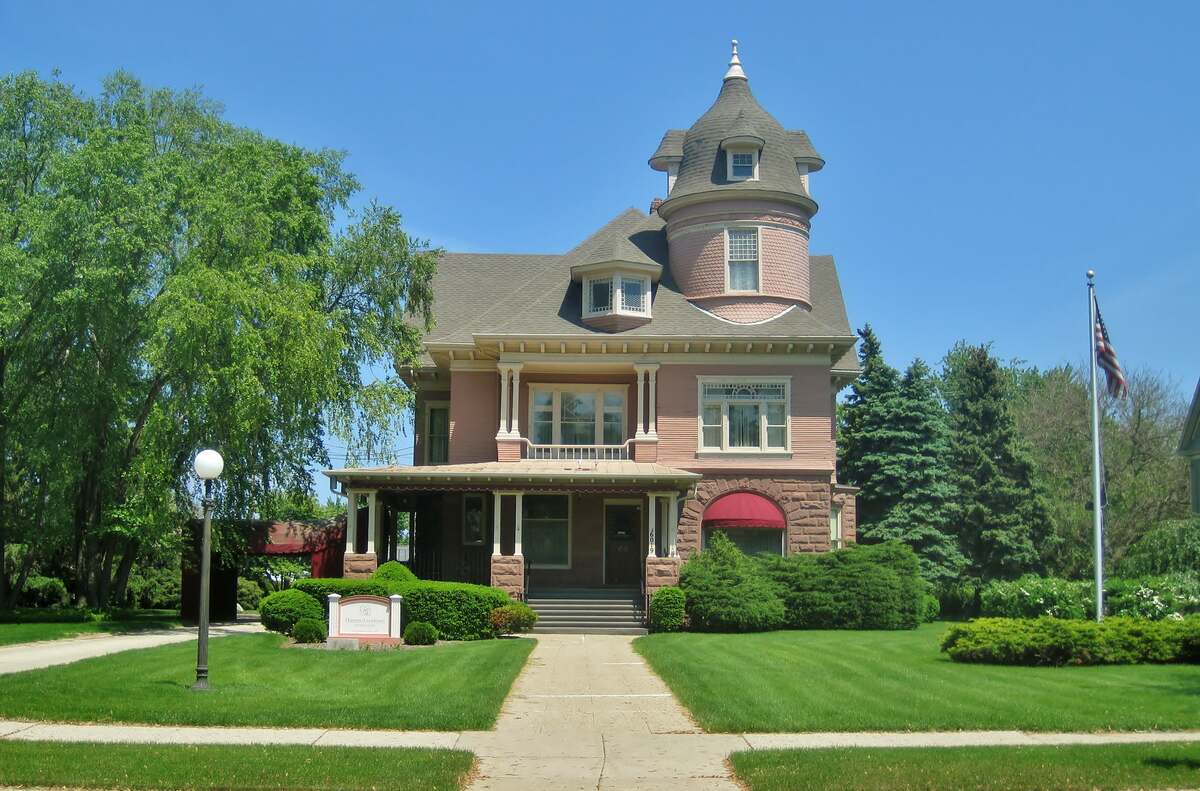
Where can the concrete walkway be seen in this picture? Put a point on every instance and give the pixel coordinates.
(31, 656)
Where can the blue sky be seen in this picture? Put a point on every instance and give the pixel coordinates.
(980, 157)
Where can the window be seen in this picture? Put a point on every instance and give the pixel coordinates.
(751, 540)
(633, 294)
(744, 416)
(600, 295)
(743, 165)
(742, 245)
(474, 524)
(835, 526)
(437, 433)
(577, 414)
(546, 529)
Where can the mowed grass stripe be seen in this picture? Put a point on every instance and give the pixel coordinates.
(1069, 768)
(856, 681)
(169, 767)
(458, 686)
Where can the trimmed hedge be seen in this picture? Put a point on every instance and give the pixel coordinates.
(726, 591)
(281, 610)
(320, 588)
(459, 610)
(394, 571)
(309, 630)
(1057, 641)
(420, 633)
(668, 609)
(513, 618)
(249, 594)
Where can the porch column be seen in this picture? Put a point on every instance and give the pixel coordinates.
(372, 520)
(495, 524)
(652, 430)
(515, 431)
(641, 398)
(672, 524)
(503, 430)
(650, 551)
(351, 520)
(517, 527)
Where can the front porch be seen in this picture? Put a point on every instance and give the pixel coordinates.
(532, 524)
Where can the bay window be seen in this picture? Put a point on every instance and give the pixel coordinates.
(546, 527)
(744, 415)
(577, 414)
(616, 293)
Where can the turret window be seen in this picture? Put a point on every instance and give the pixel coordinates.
(742, 259)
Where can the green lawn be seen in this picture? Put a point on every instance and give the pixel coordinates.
(1074, 768)
(13, 633)
(456, 686)
(858, 681)
(253, 767)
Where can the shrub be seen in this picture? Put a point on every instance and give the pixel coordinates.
(667, 609)
(1032, 597)
(44, 592)
(35, 615)
(319, 588)
(959, 599)
(513, 618)
(420, 633)
(249, 594)
(1153, 597)
(281, 610)
(394, 571)
(931, 608)
(726, 591)
(154, 587)
(1056, 641)
(459, 610)
(1168, 548)
(309, 630)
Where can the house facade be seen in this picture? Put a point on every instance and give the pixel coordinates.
(590, 419)
(1189, 447)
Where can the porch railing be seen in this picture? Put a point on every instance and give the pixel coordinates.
(577, 452)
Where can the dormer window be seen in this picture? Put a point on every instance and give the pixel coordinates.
(741, 257)
(743, 165)
(633, 294)
(599, 293)
(623, 295)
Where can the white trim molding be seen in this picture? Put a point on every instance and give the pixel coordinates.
(764, 449)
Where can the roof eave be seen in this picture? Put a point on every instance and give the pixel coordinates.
(672, 204)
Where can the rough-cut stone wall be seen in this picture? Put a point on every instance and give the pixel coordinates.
(661, 572)
(359, 565)
(508, 574)
(805, 500)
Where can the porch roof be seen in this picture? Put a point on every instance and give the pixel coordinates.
(517, 474)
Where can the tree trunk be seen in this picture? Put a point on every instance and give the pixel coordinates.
(123, 571)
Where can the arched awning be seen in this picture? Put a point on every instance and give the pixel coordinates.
(744, 509)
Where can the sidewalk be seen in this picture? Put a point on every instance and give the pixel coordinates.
(32, 656)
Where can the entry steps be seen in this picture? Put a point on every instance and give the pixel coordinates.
(588, 610)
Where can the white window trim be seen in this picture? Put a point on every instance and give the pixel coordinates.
(729, 164)
(570, 529)
(483, 539)
(617, 307)
(763, 450)
(758, 230)
(428, 443)
(583, 387)
(836, 530)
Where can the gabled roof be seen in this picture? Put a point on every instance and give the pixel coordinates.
(1189, 443)
(515, 294)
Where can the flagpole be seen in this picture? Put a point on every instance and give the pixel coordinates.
(1097, 491)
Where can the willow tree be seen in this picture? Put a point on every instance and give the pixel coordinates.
(180, 282)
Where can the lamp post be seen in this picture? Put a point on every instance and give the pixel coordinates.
(208, 466)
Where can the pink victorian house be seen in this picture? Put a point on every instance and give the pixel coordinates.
(586, 421)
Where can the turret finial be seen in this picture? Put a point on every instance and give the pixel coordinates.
(735, 65)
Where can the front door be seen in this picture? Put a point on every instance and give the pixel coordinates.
(622, 544)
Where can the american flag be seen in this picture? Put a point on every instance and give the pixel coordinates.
(1106, 358)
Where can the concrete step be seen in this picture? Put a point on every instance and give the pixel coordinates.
(631, 630)
(582, 619)
(585, 606)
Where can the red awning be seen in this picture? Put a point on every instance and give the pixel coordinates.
(744, 509)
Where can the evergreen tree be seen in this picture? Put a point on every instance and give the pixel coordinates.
(1002, 515)
(917, 476)
(864, 439)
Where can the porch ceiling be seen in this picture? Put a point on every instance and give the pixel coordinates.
(517, 475)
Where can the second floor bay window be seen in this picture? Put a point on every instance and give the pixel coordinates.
(577, 414)
(744, 415)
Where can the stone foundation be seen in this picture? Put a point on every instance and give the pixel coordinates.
(359, 565)
(661, 572)
(508, 574)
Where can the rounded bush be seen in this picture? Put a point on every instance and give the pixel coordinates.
(930, 608)
(667, 609)
(249, 595)
(727, 591)
(44, 592)
(281, 610)
(394, 571)
(1057, 641)
(309, 630)
(513, 618)
(420, 633)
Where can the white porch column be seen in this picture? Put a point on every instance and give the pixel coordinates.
(652, 430)
(517, 527)
(495, 524)
(503, 430)
(641, 399)
(650, 551)
(673, 525)
(515, 431)
(372, 520)
(351, 520)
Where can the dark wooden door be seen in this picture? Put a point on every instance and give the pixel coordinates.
(622, 544)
